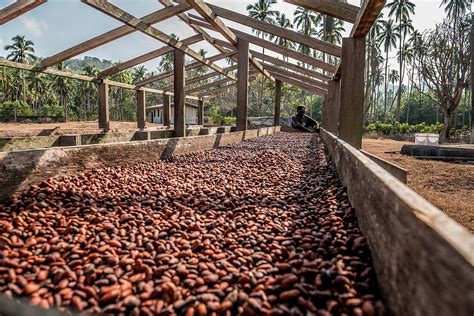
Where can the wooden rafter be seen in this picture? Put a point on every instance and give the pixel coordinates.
(203, 77)
(146, 57)
(338, 9)
(18, 8)
(188, 67)
(220, 27)
(119, 14)
(296, 37)
(109, 36)
(296, 76)
(293, 67)
(70, 75)
(272, 46)
(217, 83)
(252, 76)
(299, 84)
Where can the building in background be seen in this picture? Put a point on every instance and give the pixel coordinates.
(155, 114)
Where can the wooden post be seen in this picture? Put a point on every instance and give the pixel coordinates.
(179, 94)
(103, 106)
(242, 84)
(141, 113)
(472, 84)
(200, 112)
(332, 105)
(276, 118)
(351, 115)
(166, 110)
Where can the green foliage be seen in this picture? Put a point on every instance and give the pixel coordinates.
(20, 108)
(403, 128)
(214, 115)
(51, 110)
(226, 120)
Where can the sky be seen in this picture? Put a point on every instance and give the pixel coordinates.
(60, 24)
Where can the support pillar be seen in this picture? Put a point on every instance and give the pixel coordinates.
(472, 84)
(141, 113)
(242, 84)
(351, 114)
(103, 106)
(179, 94)
(331, 117)
(201, 112)
(166, 110)
(276, 117)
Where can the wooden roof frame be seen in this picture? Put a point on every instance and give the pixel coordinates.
(18, 8)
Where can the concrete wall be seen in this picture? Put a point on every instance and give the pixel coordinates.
(21, 143)
(396, 171)
(18, 169)
(423, 258)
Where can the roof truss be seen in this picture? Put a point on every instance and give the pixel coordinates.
(338, 9)
(18, 8)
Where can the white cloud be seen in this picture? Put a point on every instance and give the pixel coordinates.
(34, 27)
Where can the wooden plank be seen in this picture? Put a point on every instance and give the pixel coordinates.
(351, 115)
(141, 113)
(296, 37)
(114, 34)
(366, 17)
(299, 84)
(208, 85)
(276, 116)
(333, 100)
(242, 84)
(220, 27)
(273, 47)
(295, 68)
(166, 110)
(188, 67)
(179, 91)
(337, 9)
(213, 92)
(200, 113)
(119, 14)
(146, 57)
(429, 254)
(103, 106)
(18, 8)
(281, 71)
(201, 78)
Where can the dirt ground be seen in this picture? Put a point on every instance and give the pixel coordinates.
(46, 129)
(449, 186)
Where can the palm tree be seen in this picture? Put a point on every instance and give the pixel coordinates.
(38, 85)
(283, 22)
(455, 8)
(388, 38)
(166, 62)
(402, 10)
(393, 77)
(331, 32)
(306, 21)
(202, 69)
(138, 73)
(89, 89)
(61, 86)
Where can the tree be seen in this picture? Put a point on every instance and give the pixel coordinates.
(283, 22)
(61, 86)
(388, 38)
(393, 77)
(138, 74)
(306, 21)
(444, 65)
(402, 10)
(166, 62)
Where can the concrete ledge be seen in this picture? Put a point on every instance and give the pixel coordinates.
(19, 169)
(466, 151)
(423, 258)
(396, 171)
(22, 143)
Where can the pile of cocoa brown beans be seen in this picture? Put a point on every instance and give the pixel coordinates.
(262, 227)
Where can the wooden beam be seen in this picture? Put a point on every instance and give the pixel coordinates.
(351, 115)
(119, 14)
(366, 17)
(330, 113)
(208, 85)
(141, 115)
(293, 67)
(188, 67)
(276, 115)
(299, 84)
(166, 110)
(103, 106)
(296, 76)
(242, 84)
(273, 47)
(146, 57)
(213, 92)
(201, 78)
(220, 27)
(200, 114)
(296, 37)
(337, 9)
(179, 91)
(114, 34)
(18, 8)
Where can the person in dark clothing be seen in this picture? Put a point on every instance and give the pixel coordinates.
(303, 122)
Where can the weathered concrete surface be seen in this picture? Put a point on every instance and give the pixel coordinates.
(22, 143)
(423, 258)
(464, 150)
(396, 171)
(18, 169)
